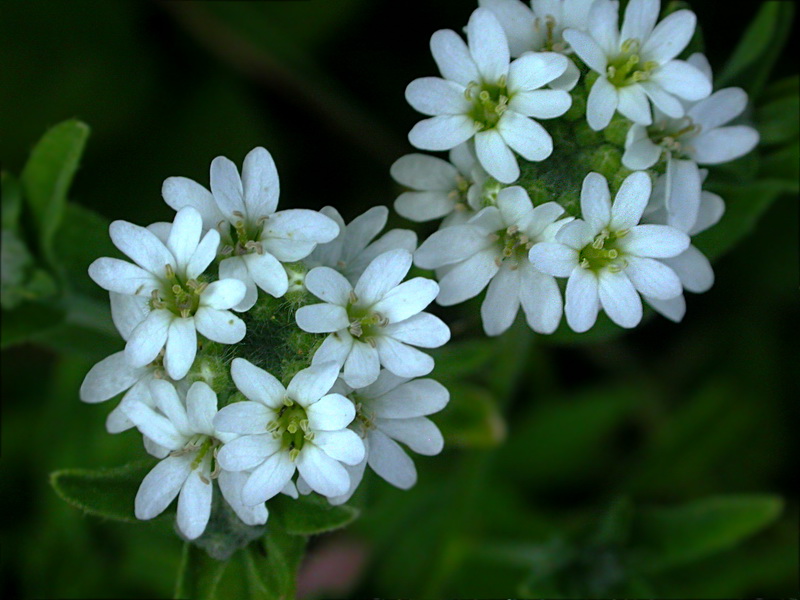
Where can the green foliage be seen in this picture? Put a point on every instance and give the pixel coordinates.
(751, 63)
(198, 575)
(670, 537)
(629, 545)
(271, 574)
(48, 174)
(107, 493)
(310, 515)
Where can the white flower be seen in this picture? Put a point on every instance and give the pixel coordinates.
(377, 322)
(439, 188)
(485, 97)
(354, 248)
(608, 257)
(637, 64)
(257, 238)
(302, 427)
(699, 135)
(187, 431)
(391, 410)
(541, 27)
(692, 267)
(492, 249)
(180, 303)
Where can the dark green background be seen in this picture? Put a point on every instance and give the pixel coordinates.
(665, 415)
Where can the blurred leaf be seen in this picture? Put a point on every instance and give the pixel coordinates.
(11, 199)
(471, 419)
(198, 574)
(105, 493)
(82, 238)
(759, 48)
(48, 174)
(784, 166)
(20, 279)
(461, 359)
(779, 120)
(667, 537)
(271, 573)
(590, 418)
(309, 515)
(24, 323)
(744, 205)
(603, 330)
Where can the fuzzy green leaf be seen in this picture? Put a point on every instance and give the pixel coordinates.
(48, 174)
(759, 48)
(105, 493)
(198, 574)
(311, 514)
(667, 537)
(271, 569)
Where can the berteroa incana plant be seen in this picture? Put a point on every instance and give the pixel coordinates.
(272, 354)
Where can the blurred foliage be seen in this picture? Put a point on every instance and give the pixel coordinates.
(658, 463)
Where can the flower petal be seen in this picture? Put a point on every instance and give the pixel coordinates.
(311, 384)
(495, 156)
(601, 104)
(403, 360)
(383, 274)
(220, 325)
(247, 452)
(453, 58)
(390, 461)
(329, 285)
(418, 433)
(631, 200)
(582, 302)
(442, 132)
(111, 376)
(268, 479)
(362, 365)
(488, 45)
(194, 505)
(148, 338)
(243, 418)
(201, 406)
(267, 273)
(260, 183)
(226, 186)
(525, 136)
(468, 278)
(256, 384)
(670, 36)
(181, 191)
(142, 246)
(423, 329)
(323, 474)
(181, 346)
(654, 241)
(653, 278)
(160, 486)
(330, 413)
(436, 96)
(619, 299)
(343, 445)
(533, 70)
(501, 304)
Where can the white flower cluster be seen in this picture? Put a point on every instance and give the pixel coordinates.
(193, 307)
(526, 205)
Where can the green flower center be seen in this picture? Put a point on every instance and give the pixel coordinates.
(669, 134)
(365, 323)
(552, 42)
(242, 236)
(489, 102)
(291, 427)
(514, 246)
(182, 298)
(201, 445)
(628, 68)
(603, 252)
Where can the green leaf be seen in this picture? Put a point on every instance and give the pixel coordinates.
(759, 48)
(309, 515)
(48, 174)
(82, 238)
(779, 120)
(783, 166)
(198, 574)
(105, 493)
(11, 201)
(24, 323)
(591, 417)
(667, 537)
(744, 205)
(271, 569)
(471, 419)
